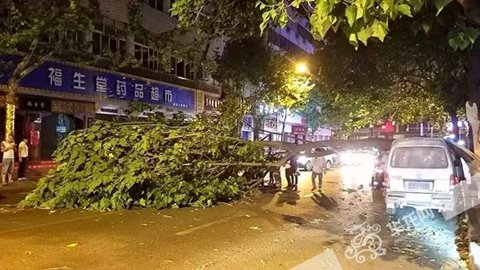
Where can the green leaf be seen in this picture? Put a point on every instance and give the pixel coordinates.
(351, 14)
(380, 30)
(353, 40)
(360, 13)
(472, 33)
(440, 4)
(364, 34)
(296, 3)
(404, 9)
(387, 5)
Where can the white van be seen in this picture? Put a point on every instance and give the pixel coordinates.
(420, 173)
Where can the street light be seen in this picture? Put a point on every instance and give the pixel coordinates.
(301, 68)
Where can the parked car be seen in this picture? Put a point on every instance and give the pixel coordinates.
(420, 173)
(305, 162)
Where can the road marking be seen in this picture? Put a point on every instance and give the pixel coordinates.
(206, 225)
(26, 228)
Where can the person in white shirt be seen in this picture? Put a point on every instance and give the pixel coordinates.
(8, 162)
(22, 158)
(318, 169)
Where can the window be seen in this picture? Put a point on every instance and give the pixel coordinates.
(97, 43)
(108, 37)
(419, 157)
(180, 68)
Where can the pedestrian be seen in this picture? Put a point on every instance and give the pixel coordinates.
(288, 173)
(318, 169)
(8, 162)
(22, 158)
(294, 172)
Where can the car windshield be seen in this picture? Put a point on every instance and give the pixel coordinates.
(419, 157)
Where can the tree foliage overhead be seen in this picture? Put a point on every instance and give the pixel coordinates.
(122, 165)
(41, 29)
(250, 69)
(364, 20)
(414, 78)
(229, 19)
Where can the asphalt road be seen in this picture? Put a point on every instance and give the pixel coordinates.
(269, 230)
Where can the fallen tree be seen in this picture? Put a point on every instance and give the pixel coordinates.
(164, 163)
(113, 166)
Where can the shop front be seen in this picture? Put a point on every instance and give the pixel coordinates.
(45, 122)
(57, 98)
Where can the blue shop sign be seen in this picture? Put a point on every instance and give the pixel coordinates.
(65, 78)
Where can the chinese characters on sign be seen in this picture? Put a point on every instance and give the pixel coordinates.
(35, 104)
(55, 76)
(299, 130)
(155, 93)
(138, 90)
(121, 88)
(61, 77)
(79, 81)
(101, 85)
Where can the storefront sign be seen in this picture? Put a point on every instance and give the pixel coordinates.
(109, 110)
(35, 104)
(73, 107)
(65, 78)
(299, 130)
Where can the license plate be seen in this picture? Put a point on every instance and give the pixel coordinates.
(419, 185)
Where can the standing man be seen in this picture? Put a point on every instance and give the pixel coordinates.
(8, 150)
(22, 158)
(318, 169)
(294, 172)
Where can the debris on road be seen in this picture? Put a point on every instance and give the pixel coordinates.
(72, 245)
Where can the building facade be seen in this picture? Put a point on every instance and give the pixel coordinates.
(296, 41)
(59, 97)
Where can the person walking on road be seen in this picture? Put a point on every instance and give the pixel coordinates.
(318, 169)
(22, 158)
(8, 150)
(294, 172)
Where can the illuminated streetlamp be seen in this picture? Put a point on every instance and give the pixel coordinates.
(301, 68)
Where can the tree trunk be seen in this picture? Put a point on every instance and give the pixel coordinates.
(10, 107)
(455, 129)
(256, 124)
(473, 90)
(283, 124)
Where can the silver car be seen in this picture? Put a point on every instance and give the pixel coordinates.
(420, 173)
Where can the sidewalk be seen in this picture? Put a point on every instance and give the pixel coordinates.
(12, 194)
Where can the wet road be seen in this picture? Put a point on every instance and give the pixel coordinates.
(270, 230)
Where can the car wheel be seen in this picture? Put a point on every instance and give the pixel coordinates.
(391, 211)
(328, 165)
(308, 166)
